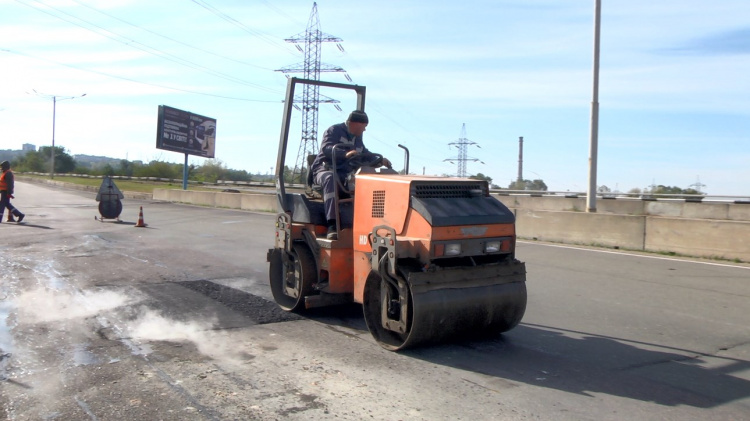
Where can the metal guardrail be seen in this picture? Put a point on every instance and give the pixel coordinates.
(626, 196)
(501, 192)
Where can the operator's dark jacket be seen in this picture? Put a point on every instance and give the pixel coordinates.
(334, 135)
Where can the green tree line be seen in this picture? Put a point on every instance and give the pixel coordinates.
(211, 171)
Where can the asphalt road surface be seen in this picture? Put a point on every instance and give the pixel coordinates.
(175, 321)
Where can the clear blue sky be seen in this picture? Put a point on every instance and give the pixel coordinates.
(674, 86)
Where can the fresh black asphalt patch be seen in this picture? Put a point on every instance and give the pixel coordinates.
(258, 309)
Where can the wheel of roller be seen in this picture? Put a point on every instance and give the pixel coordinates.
(292, 281)
(440, 314)
(378, 295)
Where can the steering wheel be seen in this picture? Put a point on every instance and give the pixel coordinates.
(368, 159)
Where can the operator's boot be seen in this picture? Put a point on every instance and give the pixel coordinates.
(10, 218)
(332, 233)
(18, 215)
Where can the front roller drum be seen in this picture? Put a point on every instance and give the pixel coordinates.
(445, 305)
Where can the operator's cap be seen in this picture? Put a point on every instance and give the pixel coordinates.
(5, 165)
(358, 116)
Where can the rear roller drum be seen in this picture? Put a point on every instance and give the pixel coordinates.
(292, 276)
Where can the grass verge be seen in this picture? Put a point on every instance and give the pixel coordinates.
(139, 186)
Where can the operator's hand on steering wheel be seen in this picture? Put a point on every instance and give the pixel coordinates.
(387, 163)
(351, 153)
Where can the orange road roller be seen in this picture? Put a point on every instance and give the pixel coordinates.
(430, 259)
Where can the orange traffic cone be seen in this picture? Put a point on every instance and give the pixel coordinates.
(140, 219)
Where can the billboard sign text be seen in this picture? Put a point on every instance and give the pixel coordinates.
(183, 131)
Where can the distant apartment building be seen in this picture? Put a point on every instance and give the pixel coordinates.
(28, 147)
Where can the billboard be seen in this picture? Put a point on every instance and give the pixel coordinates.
(183, 131)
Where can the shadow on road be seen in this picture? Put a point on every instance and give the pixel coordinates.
(587, 364)
(16, 383)
(574, 362)
(26, 224)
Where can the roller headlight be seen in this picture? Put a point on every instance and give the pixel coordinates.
(453, 249)
(492, 246)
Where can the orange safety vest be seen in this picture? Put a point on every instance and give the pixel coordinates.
(3, 184)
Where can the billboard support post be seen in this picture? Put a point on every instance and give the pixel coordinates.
(185, 173)
(185, 132)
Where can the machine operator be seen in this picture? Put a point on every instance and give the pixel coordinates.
(349, 134)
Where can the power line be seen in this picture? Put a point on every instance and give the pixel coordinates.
(131, 80)
(170, 38)
(385, 92)
(281, 12)
(263, 37)
(143, 47)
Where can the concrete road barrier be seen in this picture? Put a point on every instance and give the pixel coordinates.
(622, 231)
(700, 229)
(245, 201)
(711, 230)
(699, 237)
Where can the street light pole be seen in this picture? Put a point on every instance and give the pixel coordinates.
(55, 98)
(594, 139)
(52, 152)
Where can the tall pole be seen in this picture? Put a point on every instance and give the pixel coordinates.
(520, 161)
(594, 142)
(52, 152)
(185, 173)
(55, 98)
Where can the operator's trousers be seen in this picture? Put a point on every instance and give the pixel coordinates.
(5, 203)
(325, 180)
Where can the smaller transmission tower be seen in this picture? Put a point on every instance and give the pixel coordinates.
(698, 185)
(462, 145)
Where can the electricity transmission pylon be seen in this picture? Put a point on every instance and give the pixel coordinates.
(698, 185)
(311, 68)
(463, 158)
